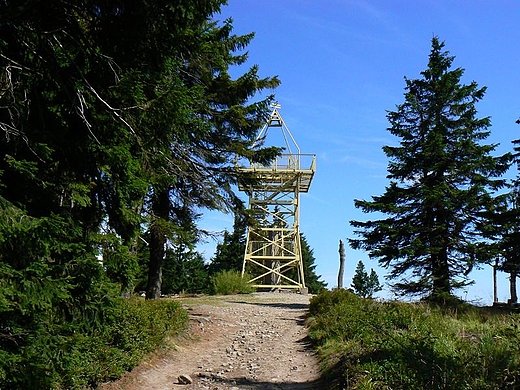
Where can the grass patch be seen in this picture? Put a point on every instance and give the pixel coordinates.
(367, 344)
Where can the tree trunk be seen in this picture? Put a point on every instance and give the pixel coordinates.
(161, 211)
(495, 287)
(512, 287)
(341, 263)
(441, 275)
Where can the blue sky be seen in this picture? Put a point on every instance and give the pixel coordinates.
(342, 65)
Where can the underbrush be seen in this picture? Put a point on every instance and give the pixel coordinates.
(365, 344)
(68, 355)
(231, 282)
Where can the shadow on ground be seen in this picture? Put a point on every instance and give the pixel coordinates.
(279, 305)
(250, 384)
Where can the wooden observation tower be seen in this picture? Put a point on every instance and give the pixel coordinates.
(273, 249)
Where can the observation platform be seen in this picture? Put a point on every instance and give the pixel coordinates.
(291, 171)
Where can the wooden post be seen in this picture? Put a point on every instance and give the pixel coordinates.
(341, 264)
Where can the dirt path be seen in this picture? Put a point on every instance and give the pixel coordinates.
(256, 341)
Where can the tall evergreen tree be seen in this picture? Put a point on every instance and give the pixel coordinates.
(68, 174)
(508, 242)
(502, 228)
(312, 279)
(511, 234)
(216, 123)
(183, 267)
(134, 105)
(441, 180)
(185, 272)
(229, 254)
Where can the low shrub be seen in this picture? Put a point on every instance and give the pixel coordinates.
(143, 326)
(394, 345)
(231, 282)
(65, 356)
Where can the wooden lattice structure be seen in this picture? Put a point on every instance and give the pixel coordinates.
(273, 248)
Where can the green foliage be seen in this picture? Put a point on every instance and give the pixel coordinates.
(502, 228)
(392, 345)
(146, 326)
(231, 282)
(202, 120)
(63, 323)
(312, 280)
(185, 272)
(442, 180)
(120, 263)
(121, 117)
(118, 105)
(62, 356)
(229, 254)
(183, 269)
(365, 285)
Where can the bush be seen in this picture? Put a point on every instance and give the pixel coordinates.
(231, 282)
(144, 325)
(394, 345)
(63, 323)
(62, 356)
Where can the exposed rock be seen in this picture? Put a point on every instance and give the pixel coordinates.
(185, 379)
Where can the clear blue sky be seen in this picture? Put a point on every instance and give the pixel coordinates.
(342, 65)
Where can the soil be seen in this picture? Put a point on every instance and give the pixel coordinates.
(256, 341)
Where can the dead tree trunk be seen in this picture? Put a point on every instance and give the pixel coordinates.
(341, 263)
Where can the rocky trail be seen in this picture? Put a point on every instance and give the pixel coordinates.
(256, 341)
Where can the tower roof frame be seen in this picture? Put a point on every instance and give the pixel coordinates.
(276, 120)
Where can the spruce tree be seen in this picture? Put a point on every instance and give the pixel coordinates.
(364, 284)
(502, 228)
(312, 279)
(229, 254)
(360, 279)
(442, 178)
(204, 119)
(511, 233)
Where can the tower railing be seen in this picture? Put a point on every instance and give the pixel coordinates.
(261, 175)
(288, 161)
